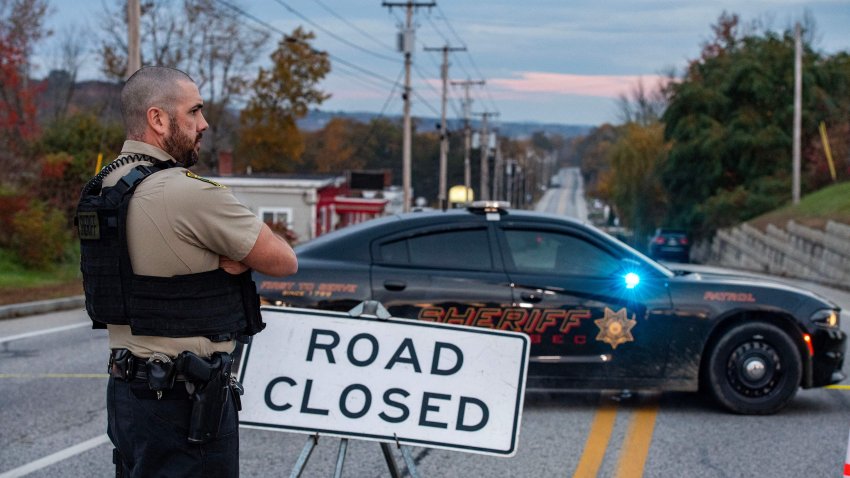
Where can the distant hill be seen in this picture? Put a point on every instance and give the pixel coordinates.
(59, 96)
(317, 119)
(103, 98)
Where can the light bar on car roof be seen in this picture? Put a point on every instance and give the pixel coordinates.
(489, 206)
(492, 209)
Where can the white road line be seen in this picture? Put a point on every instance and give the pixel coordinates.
(56, 457)
(43, 332)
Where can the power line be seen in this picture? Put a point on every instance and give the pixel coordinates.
(392, 92)
(290, 38)
(451, 28)
(425, 80)
(471, 59)
(428, 105)
(334, 35)
(355, 27)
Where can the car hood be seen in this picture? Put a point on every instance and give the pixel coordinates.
(717, 282)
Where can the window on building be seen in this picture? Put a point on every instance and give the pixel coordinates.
(277, 215)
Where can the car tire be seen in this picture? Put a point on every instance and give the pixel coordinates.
(754, 368)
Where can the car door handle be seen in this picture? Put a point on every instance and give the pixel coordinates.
(395, 285)
(531, 297)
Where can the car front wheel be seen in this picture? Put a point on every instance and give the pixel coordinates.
(754, 368)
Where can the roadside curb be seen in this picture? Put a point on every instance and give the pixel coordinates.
(41, 306)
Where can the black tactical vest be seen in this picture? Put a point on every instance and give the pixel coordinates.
(213, 304)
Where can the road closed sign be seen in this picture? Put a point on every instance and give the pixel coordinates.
(415, 382)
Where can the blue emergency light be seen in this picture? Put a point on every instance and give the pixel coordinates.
(632, 280)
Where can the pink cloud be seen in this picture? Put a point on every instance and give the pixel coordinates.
(606, 86)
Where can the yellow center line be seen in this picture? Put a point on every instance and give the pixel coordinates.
(54, 375)
(597, 440)
(838, 387)
(638, 438)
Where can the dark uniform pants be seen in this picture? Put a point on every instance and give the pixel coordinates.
(151, 435)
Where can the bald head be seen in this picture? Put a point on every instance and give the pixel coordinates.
(150, 86)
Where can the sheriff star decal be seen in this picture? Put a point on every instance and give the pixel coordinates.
(615, 328)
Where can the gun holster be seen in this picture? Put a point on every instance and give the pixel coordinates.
(211, 381)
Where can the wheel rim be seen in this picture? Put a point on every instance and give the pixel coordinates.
(754, 369)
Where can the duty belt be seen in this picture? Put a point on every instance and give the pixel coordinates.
(128, 367)
(205, 381)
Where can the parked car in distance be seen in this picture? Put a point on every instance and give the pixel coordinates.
(600, 315)
(671, 245)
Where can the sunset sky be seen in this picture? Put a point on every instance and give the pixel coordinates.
(543, 60)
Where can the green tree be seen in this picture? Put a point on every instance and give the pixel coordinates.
(729, 120)
(269, 139)
(67, 155)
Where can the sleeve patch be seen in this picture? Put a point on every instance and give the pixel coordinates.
(190, 174)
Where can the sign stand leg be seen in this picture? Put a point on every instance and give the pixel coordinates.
(408, 460)
(340, 458)
(388, 456)
(312, 441)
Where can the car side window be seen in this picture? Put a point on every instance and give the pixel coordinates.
(464, 249)
(549, 252)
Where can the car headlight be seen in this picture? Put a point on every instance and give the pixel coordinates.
(826, 318)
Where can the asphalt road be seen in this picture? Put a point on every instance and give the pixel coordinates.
(568, 198)
(52, 385)
(53, 419)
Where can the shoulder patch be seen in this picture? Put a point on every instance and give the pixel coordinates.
(190, 174)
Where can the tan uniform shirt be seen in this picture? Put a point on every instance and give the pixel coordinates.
(177, 224)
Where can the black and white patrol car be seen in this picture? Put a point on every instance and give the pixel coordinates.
(600, 315)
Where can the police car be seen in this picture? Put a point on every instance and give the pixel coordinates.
(600, 315)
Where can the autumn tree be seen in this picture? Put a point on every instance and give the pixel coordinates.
(644, 105)
(592, 151)
(269, 139)
(635, 186)
(201, 37)
(331, 149)
(21, 28)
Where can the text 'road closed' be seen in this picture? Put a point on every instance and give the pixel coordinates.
(421, 383)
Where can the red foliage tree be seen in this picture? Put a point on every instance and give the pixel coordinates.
(17, 95)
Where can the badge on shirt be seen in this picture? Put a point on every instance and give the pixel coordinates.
(192, 175)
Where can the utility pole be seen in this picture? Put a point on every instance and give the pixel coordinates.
(467, 134)
(498, 169)
(407, 48)
(798, 106)
(134, 57)
(484, 144)
(444, 136)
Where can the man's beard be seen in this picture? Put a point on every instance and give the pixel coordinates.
(181, 146)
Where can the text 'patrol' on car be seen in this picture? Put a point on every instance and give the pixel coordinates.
(600, 314)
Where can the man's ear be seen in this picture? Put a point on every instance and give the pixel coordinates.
(158, 120)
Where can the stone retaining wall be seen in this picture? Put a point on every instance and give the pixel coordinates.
(796, 251)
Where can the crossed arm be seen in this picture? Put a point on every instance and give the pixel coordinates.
(270, 255)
